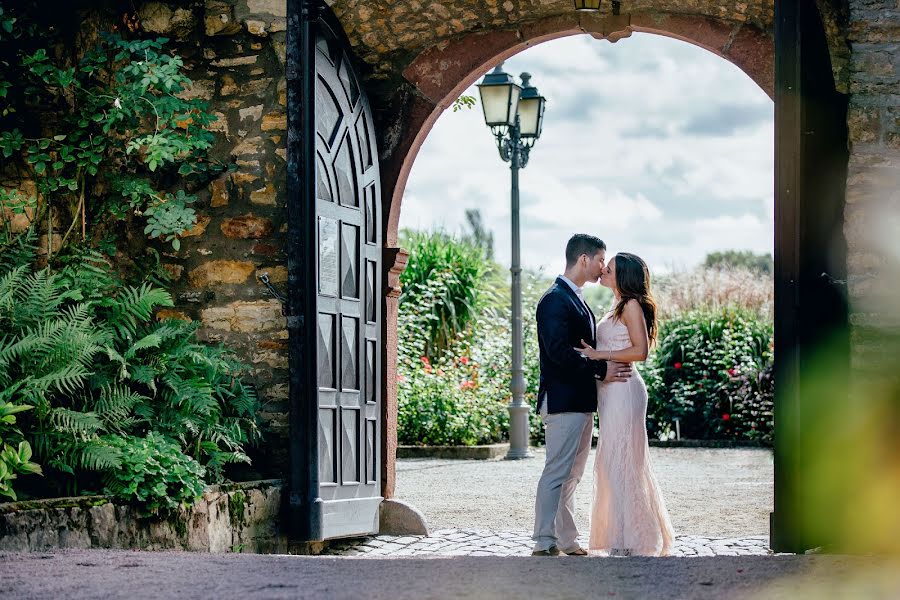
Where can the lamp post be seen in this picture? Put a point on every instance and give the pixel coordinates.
(594, 6)
(515, 115)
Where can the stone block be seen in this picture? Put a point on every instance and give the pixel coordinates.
(25, 194)
(168, 313)
(256, 87)
(200, 88)
(275, 121)
(199, 227)
(236, 61)
(251, 112)
(244, 227)
(864, 123)
(265, 196)
(265, 249)
(218, 272)
(276, 359)
(257, 28)
(276, 8)
(276, 274)
(245, 317)
(229, 86)
(248, 146)
(158, 17)
(218, 190)
(261, 315)
(220, 124)
(219, 19)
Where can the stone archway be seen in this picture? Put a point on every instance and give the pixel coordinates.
(422, 57)
(438, 75)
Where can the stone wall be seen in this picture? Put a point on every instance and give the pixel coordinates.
(872, 217)
(237, 518)
(234, 51)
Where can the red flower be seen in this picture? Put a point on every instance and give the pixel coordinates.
(464, 360)
(732, 372)
(677, 365)
(424, 360)
(427, 368)
(726, 417)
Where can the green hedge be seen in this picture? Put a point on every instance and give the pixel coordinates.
(712, 371)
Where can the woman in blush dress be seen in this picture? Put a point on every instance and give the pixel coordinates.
(628, 514)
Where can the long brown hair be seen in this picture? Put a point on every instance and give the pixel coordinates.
(633, 283)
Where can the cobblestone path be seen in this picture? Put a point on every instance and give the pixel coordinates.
(482, 542)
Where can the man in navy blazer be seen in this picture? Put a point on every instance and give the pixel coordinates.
(567, 397)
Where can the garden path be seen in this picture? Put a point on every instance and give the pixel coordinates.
(710, 492)
(719, 500)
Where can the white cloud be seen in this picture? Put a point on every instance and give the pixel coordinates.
(659, 147)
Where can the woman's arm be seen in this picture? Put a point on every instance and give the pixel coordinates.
(633, 317)
(552, 324)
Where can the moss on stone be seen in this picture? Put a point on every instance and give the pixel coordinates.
(180, 524)
(237, 501)
(75, 502)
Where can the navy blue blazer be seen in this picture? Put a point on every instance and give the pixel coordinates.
(567, 378)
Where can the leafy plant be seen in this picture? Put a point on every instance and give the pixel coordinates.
(155, 474)
(121, 130)
(441, 284)
(460, 395)
(83, 349)
(14, 459)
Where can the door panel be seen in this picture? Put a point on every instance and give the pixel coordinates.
(349, 297)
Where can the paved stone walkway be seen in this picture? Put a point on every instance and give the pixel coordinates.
(482, 542)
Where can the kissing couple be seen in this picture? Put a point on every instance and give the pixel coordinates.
(586, 367)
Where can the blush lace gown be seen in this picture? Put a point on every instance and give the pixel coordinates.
(628, 514)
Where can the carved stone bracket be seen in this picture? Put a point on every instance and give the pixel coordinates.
(397, 258)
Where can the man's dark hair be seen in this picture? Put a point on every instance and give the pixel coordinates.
(582, 243)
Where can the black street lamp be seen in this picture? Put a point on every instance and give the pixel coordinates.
(594, 6)
(515, 115)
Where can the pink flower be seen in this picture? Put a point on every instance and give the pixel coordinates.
(400, 377)
(732, 372)
(464, 360)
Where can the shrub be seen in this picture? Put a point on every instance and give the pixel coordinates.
(460, 396)
(442, 289)
(702, 374)
(155, 474)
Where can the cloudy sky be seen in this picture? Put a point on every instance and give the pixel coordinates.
(658, 147)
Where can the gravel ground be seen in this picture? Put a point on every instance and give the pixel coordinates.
(78, 574)
(709, 492)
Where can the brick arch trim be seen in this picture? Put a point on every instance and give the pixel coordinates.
(437, 76)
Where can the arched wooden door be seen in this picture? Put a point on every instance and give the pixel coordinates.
(347, 299)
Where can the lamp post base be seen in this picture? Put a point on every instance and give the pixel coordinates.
(518, 432)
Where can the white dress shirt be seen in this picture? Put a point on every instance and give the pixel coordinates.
(578, 292)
